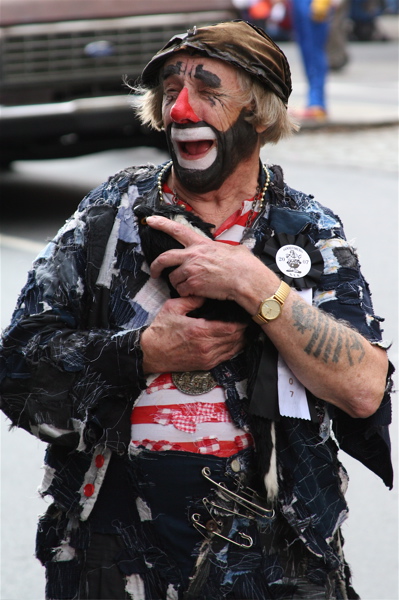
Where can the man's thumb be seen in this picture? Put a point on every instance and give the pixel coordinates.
(187, 304)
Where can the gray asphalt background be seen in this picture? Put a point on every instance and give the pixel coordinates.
(350, 165)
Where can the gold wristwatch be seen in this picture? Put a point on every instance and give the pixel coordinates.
(271, 308)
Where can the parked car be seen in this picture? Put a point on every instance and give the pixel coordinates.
(63, 64)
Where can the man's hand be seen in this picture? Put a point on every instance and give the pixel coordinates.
(204, 267)
(330, 359)
(175, 342)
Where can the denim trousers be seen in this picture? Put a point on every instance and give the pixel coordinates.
(311, 37)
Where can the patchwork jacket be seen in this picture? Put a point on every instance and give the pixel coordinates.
(71, 362)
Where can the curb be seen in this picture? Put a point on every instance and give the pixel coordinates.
(346, 125)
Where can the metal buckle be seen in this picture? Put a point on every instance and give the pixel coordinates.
(194, 383)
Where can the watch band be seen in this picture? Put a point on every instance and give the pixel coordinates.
(282, 293)
(280, 296)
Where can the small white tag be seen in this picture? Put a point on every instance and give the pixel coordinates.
(292, 398)
(291, 394)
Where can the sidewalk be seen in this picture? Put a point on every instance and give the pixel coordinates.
(362, 94)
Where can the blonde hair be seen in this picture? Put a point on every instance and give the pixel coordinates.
(268, 111)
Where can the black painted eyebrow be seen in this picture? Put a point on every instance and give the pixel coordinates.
(207, 77)
(171, 70)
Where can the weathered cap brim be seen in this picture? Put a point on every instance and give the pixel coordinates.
(239, 43)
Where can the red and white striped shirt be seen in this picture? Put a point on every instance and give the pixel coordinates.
(165, 418)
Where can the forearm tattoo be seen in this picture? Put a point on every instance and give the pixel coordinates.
(330, 339)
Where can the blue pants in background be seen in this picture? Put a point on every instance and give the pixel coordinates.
(311, 37)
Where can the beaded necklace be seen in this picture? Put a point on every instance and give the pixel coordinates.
(259, 198)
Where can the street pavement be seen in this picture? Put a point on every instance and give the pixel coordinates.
(349, 164)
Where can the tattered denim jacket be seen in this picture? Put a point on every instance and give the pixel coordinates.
(71, 362)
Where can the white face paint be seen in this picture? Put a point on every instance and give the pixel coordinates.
(195, 147)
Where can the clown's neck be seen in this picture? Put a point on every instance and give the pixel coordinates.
(217, 205)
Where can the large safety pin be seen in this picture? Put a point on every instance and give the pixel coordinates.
(209, 505)
(196, 522)
(255, 508)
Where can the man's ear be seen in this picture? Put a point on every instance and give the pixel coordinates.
(250, 111)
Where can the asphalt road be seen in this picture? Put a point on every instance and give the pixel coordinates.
(353, 172)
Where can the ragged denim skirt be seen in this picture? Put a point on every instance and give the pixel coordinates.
(204, 532)
(183, 526)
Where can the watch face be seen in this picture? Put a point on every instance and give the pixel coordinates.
(271, 309)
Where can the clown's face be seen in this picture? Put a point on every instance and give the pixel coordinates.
(204, 122)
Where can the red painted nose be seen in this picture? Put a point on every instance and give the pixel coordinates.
(181, 110)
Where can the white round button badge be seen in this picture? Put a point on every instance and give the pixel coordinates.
(293, 261)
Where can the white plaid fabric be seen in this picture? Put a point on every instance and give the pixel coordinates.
(159, 445)
(243, 441)
(208, 445)
(187, 416)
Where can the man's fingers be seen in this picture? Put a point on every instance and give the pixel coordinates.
(182, 306)
(183, 234)
(170, 258)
